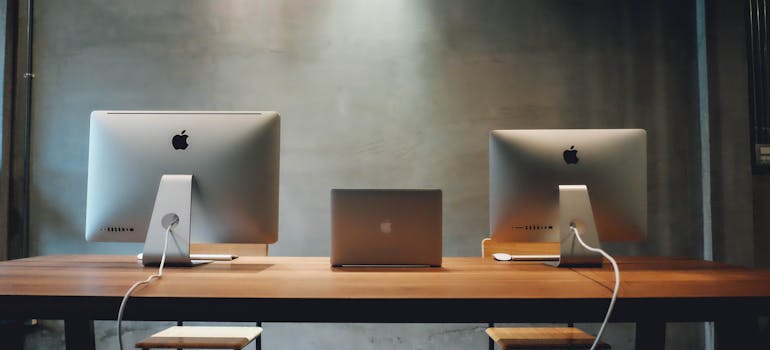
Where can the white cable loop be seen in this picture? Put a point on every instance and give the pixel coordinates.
(617, 282)
(139, 283)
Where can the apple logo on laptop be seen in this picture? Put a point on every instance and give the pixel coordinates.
(570, 155)
(180, 141)
(386, 226)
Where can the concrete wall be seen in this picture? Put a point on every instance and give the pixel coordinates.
(741, 200)
(4, 141)
(732, 198)
(379, 93)
(3, 5)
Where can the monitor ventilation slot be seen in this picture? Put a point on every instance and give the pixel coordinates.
(534, 227)
(116, 229)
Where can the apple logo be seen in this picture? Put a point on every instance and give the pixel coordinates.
(570, 155)
(180, 141)
(386, 226)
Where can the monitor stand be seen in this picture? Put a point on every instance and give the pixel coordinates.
(172, 204)
(575, 208)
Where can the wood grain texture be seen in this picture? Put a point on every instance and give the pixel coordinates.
(489, 247)
(210, 331)
(290, 289)
(684, 278)
(287, 277)
(198, 342)
(239, 249)
(542, 338)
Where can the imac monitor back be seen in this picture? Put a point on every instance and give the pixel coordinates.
(233, 158)
(386, 227)
(527, 166)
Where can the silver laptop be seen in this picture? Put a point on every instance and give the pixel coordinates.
(386, 227)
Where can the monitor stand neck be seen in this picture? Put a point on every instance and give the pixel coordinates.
(174, 199)
(575, 208)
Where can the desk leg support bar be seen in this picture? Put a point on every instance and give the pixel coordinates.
(650, 335)
(79, 334)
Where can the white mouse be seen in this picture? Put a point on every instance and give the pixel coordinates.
(502, 256)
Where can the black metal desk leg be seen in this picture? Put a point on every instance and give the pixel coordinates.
(12, 334)
(650, 335)
(79, 334)
(737, 333)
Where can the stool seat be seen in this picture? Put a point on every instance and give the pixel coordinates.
(202, 337)
(542, 338)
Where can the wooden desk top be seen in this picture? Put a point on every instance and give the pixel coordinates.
(658, 277)
(475, 289)
(286, 277)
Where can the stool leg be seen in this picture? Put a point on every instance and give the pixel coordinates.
(491, 342)
(650, 335)
(180, 324)
(258, 341)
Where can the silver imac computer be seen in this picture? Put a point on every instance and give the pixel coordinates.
(213, 176)
(542, 182)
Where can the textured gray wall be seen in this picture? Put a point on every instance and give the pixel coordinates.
(741, 200)
(385, 93)
(732, 198)
(3, 5)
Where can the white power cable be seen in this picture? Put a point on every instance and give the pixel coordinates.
(139, 283)
(617, 282)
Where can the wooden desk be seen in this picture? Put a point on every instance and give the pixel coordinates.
(81, 288)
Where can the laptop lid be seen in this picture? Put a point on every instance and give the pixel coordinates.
(386, 227)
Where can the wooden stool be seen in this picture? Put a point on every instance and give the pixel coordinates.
(204, 337)
(543, 338)
(534, 337)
